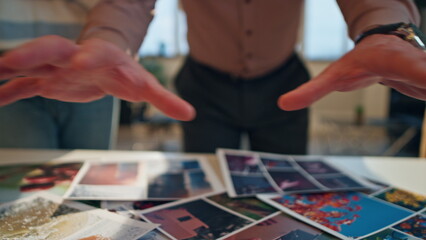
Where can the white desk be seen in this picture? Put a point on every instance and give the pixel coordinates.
(406, 173)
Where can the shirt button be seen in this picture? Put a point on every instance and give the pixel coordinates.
(249, 32)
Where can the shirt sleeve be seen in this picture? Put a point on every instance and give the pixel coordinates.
(361, 15)
(122, 22)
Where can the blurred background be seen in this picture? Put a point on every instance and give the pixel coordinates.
(374, 121)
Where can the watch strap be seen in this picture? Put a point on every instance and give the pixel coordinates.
(406, 31)
(383, 29)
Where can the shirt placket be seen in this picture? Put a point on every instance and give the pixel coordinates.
(248, 24)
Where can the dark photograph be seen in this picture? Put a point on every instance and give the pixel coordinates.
(276, 163)
(339, 182)
(249, 206)
(251, 185)
(292, 181)
(317, 167)
(242, 164)
(196, 220)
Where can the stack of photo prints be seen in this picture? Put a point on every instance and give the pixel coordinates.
(162, 197)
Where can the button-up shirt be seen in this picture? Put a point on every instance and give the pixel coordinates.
(246, 38)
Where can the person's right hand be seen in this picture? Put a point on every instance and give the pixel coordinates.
(56, 68)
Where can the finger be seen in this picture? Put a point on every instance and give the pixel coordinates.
(18, 88)
(127, 80)
(5, 72)
(52, 50)
(167, 102)
(170, 104)
(147, 88)
(308, 93)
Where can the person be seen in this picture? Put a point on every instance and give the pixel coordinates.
(241, 64)
(39, 122)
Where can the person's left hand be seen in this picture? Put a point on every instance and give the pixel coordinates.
(384, 59)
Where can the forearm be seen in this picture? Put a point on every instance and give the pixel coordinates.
(121, 22)
(362, 15)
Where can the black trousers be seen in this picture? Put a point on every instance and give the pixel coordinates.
(228, 106)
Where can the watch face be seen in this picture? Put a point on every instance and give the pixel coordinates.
(419, 43)
(412, 34)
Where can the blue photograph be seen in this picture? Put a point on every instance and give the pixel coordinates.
(198, 180)
(351, 214)
(192, 164)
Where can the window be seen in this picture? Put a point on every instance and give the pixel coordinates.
(166, 36)
(325, 32)
(184, 219)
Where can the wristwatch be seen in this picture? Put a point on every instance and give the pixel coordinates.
(406, 31)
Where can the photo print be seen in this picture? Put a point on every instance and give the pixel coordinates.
(391, 212)
(377, 187)
(22, 180)
(132, 205)
(250, 207)
(290, 181)
(250, 185)
(213, 216)
(280, 227)
(162, 179)
(406, 199)
(120, 180)
(131, 209)
(316, 167)
(197, 219)
(45, 216)
(390, 234)
(155, 235)
(221, 217)
(181, 178)
(248, 173)
(415, 226)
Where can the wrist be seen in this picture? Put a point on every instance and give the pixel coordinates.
(108, 35)
(407, 32)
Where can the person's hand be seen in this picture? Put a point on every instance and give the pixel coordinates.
(57, 68)
(384, 59)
